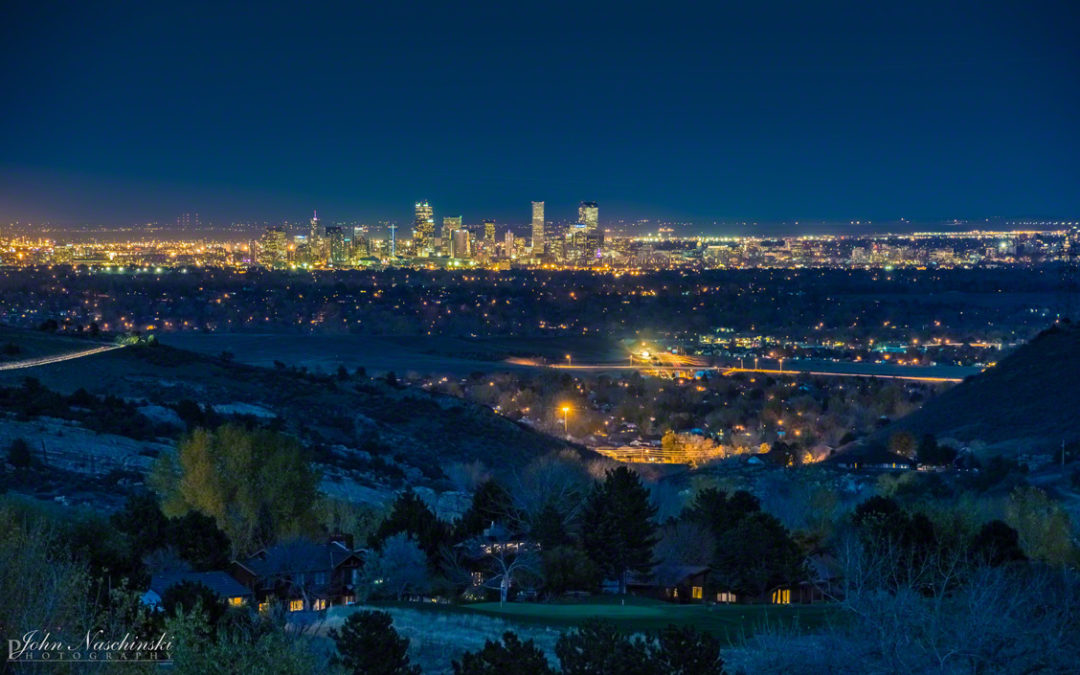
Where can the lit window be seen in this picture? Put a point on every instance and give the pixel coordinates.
(319, 604)
(236, 602)
(264, 607)
(725, 596)
(697, 592)
(296, 605)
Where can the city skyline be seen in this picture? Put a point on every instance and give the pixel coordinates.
(767, 113)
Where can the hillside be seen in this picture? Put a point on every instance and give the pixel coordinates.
(406, 426)
(1028, 403)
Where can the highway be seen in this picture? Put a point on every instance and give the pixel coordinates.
(46, 360)
(943, 374)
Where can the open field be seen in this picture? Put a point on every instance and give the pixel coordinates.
(457, 356)
(401, 354)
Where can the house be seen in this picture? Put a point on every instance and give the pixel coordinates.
(859, 456)
(302, 575)
(821, 585)
(677, 583)
(225, 587)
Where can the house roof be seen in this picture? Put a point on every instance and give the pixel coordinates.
(223, 585)
(297, 556)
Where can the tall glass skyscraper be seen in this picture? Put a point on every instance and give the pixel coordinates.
(424, 228)
(589, 215)
(538, 227)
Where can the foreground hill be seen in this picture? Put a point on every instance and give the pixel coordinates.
(408, 426)
(1028, 403)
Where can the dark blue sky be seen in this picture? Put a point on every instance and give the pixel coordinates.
(770, 111)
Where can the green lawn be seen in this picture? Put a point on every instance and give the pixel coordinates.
(727, 622)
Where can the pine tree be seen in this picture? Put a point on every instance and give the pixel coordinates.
(620, 525)
(367, 644)
(510, 656)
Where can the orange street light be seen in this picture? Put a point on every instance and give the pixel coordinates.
(565, 418)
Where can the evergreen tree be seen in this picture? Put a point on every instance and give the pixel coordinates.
(510, 656)
(143, 522)
(412, 516)
(598, 648)
(367, 644)
(199, 541)
(686, 651)
(620, 525)
(757, 555)
(491, 503)
(721, 512)
(549, 529)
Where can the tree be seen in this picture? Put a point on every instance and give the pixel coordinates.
(19, 454)
(598, 648)
(143, 522)
(930, 453)
(620, 526)
(190, 596)
(509, 561)
(509, 656)
(398, 568)
(256, 484)
(567, 568)
(720, 512)
(367, 644)
(757, 555)
(681, 543)
(199, 541)
(491, 503)
(996, 544)
(686, 651)
(411, 515)
(903, 443)
(256, 647)
(1043, 526)
(549, 528)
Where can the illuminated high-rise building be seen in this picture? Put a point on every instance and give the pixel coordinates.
(449, 224)
(538, 227)
(459, 244)
(272, 249)
(339, 255)
(589, 215)
(361, 244)
(489, 233)
(508, 244)
(423, 228)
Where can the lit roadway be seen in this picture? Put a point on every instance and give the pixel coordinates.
(46, 360)
(844, 369)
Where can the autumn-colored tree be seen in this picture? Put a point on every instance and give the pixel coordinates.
(1042, 525)
(256, 485)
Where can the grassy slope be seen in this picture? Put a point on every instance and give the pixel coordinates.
(425, 428)
(1029, 401)
(36, 344)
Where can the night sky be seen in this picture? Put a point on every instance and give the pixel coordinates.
(131, 112)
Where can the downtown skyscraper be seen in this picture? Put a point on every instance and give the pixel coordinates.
(424, 228)
(538, 227)
(589, 215)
